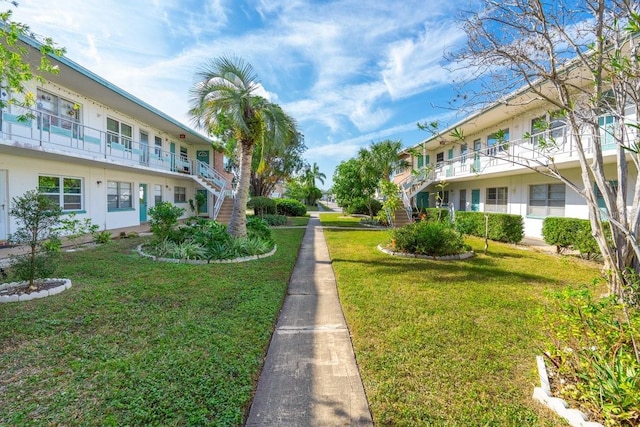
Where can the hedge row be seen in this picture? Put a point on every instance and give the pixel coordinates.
(570, 233)
(266, 206)
(506, 228)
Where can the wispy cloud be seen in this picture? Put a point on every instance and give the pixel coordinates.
(342, 69)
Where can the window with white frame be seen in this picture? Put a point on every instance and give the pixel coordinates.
(179, 194)
(538, 130)
(119, 195)
(464, 149)
(497, 142)
(157, 194)
(439, 158)
(63, 190)
(158, 147)
(58, 114)
(496, 199)
(119, 133)
(546, 200)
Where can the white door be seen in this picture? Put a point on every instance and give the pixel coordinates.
(4, 205)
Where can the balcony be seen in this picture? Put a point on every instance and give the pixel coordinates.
(503, 158)
(57, 134)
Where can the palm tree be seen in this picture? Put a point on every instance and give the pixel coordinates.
(226, 92)
(386, 157)
(311, 174)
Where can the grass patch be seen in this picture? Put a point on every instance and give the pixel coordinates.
(137, 342)
(297, 221)
(448, 343)
(337, 219)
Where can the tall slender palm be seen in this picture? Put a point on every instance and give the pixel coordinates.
(226, 92)
(312, 173)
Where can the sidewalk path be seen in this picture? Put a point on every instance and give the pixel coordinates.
(310, 376)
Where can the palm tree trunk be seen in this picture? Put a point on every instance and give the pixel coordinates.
(238, 223)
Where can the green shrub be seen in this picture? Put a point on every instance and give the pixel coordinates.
(590, 345)
(163, 218)
(502, 227)
(102, 237)
(290, 207)
(262, 205)
(259, 229)
(360, 207)
(428, 238)
(433, 214)
(574, 233)
(274, 220)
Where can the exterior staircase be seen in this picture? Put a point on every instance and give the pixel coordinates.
(224, 215)
(216, 184)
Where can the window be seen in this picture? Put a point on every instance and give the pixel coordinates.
(546, 200)
(538, 128)
(179, 195)
(58, 114)
(497, 142)
(119, 195)
(158, 147)
(442, 198)
(557, 125)
(463, 153)
(439, 158)
(157, 194)
(496, 200)
(119, 133)
(183, 154)
(65, 191)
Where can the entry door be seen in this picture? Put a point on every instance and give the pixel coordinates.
(4, 205)
(204, 208)
(143, 202)
(475, 200)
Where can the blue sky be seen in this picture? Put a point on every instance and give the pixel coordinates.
(351, 72)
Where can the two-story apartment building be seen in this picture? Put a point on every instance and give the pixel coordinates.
(489, 165)
(102, 153)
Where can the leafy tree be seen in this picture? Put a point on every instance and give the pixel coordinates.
(38, 218)
(385, 158)
(15, 69)
(277, 162)
(225, 97)
(548, 45)
(351, 185)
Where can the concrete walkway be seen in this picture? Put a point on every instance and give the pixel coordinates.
(310, 376)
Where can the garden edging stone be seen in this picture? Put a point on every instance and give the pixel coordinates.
(204, 261)
(436, 258)
(33, 295)
(574, 417)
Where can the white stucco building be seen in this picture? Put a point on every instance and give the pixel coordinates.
(101, 152)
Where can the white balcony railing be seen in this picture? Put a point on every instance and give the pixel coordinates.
(506, 156)
(33, 129)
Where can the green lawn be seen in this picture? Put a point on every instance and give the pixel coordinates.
(337, 219)
(136, 342)
(448, 343)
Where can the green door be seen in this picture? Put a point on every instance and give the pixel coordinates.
(143, 202)
(477, 146)
(475, 200)
(204, 207)
(422, 200)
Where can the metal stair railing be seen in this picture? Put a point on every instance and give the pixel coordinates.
(214, 179)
